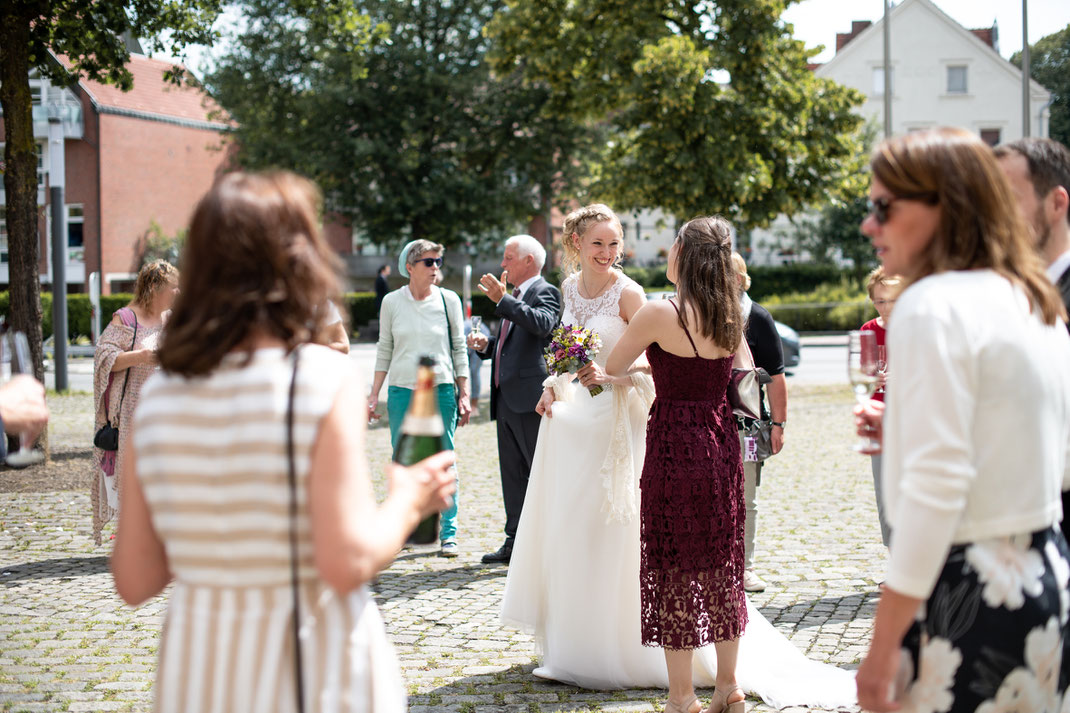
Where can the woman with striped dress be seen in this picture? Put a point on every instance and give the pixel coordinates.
(209, 502)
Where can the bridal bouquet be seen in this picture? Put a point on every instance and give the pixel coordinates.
(570, 349)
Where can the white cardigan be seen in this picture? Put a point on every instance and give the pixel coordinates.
(977, 424)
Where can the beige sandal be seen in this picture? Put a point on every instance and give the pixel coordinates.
(719, 703)
(671, 707)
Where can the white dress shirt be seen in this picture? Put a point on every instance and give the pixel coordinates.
(977, 423)
(1060, 265)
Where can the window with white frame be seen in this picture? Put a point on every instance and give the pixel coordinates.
(75, 235)
(957, 79)
(878, 80)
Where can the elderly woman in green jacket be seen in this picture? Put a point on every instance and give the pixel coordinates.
(416, 320)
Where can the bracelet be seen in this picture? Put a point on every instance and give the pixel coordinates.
(779, 423)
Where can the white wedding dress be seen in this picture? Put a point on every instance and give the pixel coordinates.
(574, 576)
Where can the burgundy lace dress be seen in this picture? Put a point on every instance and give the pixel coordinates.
(692, 510)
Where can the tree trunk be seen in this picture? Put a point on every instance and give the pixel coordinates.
(20, 181)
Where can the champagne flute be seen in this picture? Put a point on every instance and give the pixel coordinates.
(18, 349)
(477, 324)
(863, 374)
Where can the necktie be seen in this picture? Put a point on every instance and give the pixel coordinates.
(502, 332)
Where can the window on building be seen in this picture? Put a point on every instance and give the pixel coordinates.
(40, 165)
(75, 236)
(956, 80)
(878, 80)
(990, 136)
(3, 234)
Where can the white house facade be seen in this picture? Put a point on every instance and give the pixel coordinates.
(942, 74)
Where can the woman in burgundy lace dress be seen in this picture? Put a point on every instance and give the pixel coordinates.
(692, 510)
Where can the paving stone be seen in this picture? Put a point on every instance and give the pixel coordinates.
(65, 635)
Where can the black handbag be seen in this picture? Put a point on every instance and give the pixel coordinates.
(107, 436)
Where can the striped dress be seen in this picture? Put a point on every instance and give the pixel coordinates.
(212, 462)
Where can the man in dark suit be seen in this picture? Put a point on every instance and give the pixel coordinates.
(528, 316)
(1039, 174)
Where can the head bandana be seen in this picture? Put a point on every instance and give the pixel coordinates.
(403, 258)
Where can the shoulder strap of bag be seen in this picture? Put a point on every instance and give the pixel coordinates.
(449, 335)
(292, 472)
(125, 378)
(744, 358)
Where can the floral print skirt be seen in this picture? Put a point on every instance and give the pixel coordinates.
(994, 637)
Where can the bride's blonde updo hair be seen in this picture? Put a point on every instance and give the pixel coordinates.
(577, 223)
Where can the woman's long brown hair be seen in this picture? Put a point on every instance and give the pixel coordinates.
(255, 261)
(980, 225)
(706, 281)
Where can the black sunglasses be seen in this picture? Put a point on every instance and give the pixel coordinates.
(430, 261)
(879, 207)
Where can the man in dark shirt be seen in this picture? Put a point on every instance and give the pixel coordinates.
(382, 287)
(768, 352)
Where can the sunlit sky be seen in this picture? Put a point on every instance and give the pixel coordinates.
(817, 22)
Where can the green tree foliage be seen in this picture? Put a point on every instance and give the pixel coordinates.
(832, 236)
(89, 34)
(1049, 64)
(407, 131)
(709, 105)
(155, 244)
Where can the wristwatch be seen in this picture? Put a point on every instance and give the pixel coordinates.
(779, 423)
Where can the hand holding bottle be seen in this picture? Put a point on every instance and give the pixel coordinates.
(430, 484)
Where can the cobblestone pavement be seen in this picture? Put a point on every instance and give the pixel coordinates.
(68, 643)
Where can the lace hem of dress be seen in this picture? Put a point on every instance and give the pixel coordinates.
(684, 610)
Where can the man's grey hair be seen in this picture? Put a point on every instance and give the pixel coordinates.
(527, 245)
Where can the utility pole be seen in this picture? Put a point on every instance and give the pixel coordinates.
(1025, 68)
(888, 73)
(56, 181)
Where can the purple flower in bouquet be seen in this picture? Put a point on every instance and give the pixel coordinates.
(571, 348)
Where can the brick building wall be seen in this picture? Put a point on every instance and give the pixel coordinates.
(150, 171)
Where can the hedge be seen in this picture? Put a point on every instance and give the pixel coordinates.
(832, 307)
(765, 280)
(827, 300)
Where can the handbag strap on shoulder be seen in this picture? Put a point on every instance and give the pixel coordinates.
(126, 378)
(292, 477)
(449, 336)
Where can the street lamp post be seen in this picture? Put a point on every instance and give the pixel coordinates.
(887, 74)
(56, 180)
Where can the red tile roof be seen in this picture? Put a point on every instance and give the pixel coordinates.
(152, 94)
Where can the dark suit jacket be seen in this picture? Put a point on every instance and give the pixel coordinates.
(523, 370)
(1064, 289)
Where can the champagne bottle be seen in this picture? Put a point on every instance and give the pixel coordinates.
(422, 434)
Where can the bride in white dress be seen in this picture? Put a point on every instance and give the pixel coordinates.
(574, 576)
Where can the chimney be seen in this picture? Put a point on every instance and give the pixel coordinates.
(857, 26)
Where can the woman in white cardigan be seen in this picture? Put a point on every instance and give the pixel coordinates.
(973, 615)
(421, 319)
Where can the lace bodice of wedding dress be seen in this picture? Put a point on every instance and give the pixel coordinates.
(601, 314)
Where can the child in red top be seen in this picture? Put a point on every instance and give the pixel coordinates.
(882, 293)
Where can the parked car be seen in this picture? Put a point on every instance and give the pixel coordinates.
(789, 338)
